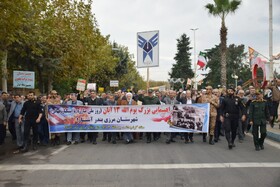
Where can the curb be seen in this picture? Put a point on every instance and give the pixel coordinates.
(273, 136)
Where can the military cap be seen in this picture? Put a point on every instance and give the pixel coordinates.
(150, 91)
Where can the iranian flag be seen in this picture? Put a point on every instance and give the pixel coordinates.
(201, 60)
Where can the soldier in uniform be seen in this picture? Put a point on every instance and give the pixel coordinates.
(214, 105)
(258, 114)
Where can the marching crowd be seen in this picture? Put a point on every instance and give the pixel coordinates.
(233, 112)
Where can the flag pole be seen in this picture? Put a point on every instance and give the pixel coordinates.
(194, 59)
(148, 78)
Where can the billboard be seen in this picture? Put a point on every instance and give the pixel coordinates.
(23, 79)
(148, 49)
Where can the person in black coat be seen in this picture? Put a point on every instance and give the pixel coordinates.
(231, 108)
(93, 100)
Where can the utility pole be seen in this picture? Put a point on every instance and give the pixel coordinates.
(271, 77)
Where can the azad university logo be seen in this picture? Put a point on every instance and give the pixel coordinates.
(148, 46)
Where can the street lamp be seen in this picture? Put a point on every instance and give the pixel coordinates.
(194, 58)
(235, 77)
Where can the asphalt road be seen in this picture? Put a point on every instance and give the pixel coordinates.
(146, 165)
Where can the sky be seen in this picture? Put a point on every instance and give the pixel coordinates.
(122, 19)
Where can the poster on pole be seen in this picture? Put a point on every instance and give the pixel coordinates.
(114, 83)
(148, 49)
(81, 84)
(91, 86)
(23, 79)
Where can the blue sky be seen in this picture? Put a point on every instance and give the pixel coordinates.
(122, 19)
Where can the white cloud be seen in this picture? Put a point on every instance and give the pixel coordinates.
(122, 19)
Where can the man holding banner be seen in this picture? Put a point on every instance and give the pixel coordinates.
(170, 100)
(93, 100)
(74, 135)
(150, 100)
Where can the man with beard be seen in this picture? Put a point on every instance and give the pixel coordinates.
(231, 108)
(11, 125)
(275, 88)
(54, 100)
(258, 116)
(170, 100)
(32, 112)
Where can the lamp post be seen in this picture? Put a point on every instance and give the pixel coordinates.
(194, 58)
(235, 77)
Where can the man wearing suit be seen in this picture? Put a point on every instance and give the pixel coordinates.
(3, 122)
(74, 135)
(170, 100)
(11, 126)
(93, 100)
(13, 116)
(188, 100)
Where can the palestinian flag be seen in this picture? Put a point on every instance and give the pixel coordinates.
(201, 62)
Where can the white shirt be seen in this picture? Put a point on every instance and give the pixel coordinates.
(189, 101)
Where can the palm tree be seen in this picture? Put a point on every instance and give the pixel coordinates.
(221, 8)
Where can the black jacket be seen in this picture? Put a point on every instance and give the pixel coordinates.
(232, 107)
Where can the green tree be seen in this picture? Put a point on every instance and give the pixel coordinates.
(125, 69)
(61, 42)
(11, 19)
(182, 67)
(221, 8)
(237, 65)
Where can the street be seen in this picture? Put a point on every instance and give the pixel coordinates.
(141, 164)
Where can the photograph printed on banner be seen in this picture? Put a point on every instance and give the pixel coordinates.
(187, 117)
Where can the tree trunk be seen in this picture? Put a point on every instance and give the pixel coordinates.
(223, 37)
(40, 77)
(50, 81)
(4, 57)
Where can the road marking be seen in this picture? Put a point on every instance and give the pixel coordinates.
(269, 142)
(59, 150)
(76, 167)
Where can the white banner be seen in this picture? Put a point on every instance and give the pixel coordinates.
(148, 49)
(145, 118)
(91, 86)
(23, 79)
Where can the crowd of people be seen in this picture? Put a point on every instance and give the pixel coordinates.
(233, 112)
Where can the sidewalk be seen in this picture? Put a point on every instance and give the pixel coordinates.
(273, 133)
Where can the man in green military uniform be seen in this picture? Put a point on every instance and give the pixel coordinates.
(258, 115)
